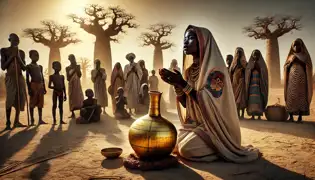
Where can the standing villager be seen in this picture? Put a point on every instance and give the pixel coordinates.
(171, 91)
(132, 76)
(98, 76)
(298, 89)
(57, 83)
(74, 85)
(237, 75)
(228, 60)
(153, 82)
(36, 86)
(13, 61)
(256, 80)
(117, 81)
(145, 73)
(206, 106)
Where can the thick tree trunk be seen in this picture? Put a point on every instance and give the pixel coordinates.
(54, 55)
(84, 75)
(102, 51)
(157, 58)
(273, 62)
(158, 64)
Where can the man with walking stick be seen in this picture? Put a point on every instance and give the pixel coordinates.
(13, 61)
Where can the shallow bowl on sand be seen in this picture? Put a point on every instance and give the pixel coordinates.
(111, 153)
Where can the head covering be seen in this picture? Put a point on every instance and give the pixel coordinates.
(216, 102)
(242, 59)
(172, 67)
(140, 62)
(130, 55)
(305, 58)
(142, 88)
(116, 72)
(263, 76)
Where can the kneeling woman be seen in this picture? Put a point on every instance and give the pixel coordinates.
(206, 104)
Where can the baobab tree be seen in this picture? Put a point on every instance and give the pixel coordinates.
(105, 25)
(270, 29)
(54, 36)
(156, 38)
(85, 66)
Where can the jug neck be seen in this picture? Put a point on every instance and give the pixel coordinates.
(155, 98)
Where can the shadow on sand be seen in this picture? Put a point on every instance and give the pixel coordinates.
(304, 130)
(12, 145)
(260, 169)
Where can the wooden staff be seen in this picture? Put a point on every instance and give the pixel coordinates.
(18, 89)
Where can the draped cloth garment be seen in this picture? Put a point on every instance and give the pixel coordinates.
(298, 88)
(132, 85)
(100, 89)
(237, 74)
(216, 131)
(116, 81)
(256, 86)
(75, 92)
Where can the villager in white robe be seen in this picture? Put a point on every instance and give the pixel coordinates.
(132, 83)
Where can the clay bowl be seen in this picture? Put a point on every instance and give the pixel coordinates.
(111, 153)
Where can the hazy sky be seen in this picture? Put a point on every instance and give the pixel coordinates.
(224, 18)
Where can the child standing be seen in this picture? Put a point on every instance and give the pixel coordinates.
(57, 83)
(36, 86)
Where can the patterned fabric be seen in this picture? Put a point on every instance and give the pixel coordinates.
(255, 100)
(238, 85)
(37, 98)
(215, 83)
(297, 92)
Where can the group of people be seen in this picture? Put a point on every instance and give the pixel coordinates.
(209, 97)
(129, 87)
(250, 81)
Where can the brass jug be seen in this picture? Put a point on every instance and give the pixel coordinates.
(152, 136)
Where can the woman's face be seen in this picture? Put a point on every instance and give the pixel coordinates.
(118, 66)
(190, 43)
(256, 55)
(297, 46)
(239, 53)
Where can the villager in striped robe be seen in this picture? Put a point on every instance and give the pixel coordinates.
(298, 88)
(256, 80)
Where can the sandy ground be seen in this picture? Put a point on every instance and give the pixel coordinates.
(288, 150)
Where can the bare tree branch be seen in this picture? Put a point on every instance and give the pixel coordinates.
(37, 35)
(120, 19)
(85, 63)
(261, 28)
(287, 24)
(51, 34)
(157, 32)
(108, 22)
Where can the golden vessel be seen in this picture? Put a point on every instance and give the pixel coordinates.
(152, 136)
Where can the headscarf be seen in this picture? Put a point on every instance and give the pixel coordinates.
(263, 76)
(142, 89)
(176, 67)
(116, 72)
(219, 114)
(235, 59)
(305, 58)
